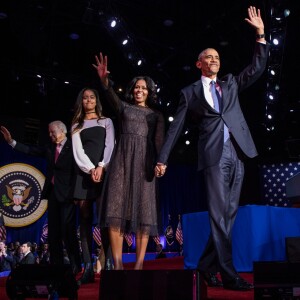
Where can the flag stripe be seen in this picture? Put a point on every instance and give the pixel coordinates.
(97, 235)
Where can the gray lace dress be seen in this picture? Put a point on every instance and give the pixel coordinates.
(129, 199)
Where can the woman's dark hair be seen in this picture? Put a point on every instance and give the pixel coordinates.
(79, 114)
(152, 96)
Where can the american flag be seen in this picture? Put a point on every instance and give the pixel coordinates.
(274, 177)
(2, 228)
(179, 235)
(129, 238)
(97, 235)
(44, 236)
(156, 239)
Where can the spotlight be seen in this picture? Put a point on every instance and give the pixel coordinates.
(125, 42)
(139, 62)
(286, 12)
(271, 97)
(275, 41)
(269, 117)
(171, 119)
(113, 23)
(187, 142)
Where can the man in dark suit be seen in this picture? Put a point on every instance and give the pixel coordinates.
(224, 140)
(58, 189)
(28, 257)
(6, 258)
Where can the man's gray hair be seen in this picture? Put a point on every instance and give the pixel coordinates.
(60, 125)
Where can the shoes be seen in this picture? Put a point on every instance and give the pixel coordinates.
(211, 279)
(88, 275)
(238, 284)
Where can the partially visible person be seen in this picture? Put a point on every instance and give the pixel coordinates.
(28, 257)
(129, 202)
(17, 256)
(160, 252)
(6, 258)
(58, 189)
(212, 105)
(43, 254)
(93, 140)
(34, 249)
(99, 260)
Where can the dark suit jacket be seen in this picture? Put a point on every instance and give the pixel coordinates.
(209, 122)
(62, 170)
(28, 259)
(6, 262)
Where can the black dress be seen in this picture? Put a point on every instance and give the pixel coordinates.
(129, 201)
(92, 146)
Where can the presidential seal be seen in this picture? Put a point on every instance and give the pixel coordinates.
(20, 190)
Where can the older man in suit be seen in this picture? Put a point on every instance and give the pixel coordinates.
(58, 189)
(212, 104)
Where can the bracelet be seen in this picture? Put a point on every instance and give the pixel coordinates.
(260, 36)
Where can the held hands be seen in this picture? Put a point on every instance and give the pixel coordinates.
(101, 67)
(255, 20)
(6, 134)
(97, 174)
(160, 169)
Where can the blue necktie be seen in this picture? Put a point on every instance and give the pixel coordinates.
(217, 104)
(215, 96)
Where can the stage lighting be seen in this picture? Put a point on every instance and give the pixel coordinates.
(113, 23)
(275, 41)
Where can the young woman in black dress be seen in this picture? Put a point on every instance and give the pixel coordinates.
(93, 141)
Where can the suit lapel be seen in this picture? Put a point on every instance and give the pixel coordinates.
(198, 90)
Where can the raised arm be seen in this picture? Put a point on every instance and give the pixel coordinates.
(255, 20)
(101, 67)
(6, 135)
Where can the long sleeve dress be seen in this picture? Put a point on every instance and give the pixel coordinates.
(129, 200)
(92, 146)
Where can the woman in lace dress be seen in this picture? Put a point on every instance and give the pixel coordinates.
(93, 141)
(129, 202)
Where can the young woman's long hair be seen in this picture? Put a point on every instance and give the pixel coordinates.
(79, 114)
(152, 96)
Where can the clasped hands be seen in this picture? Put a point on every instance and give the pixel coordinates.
(160, 169)
(97, 174)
